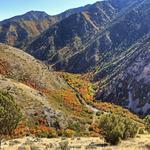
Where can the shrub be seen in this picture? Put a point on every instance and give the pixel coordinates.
(52, 133)
(10, 114)
(131, 129)
(69, 133)
(76, 126)
(147, 122)
(141, 131)
(99, 113)
(46, 132)
(114, 137)
(64, 145)
(115, 128)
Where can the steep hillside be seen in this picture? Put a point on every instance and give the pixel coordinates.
(103, 39)
(20, 30)
(70, 39)
(127, 81)
(46, 97)
(43, 96)
(67, 38)
(125, 61)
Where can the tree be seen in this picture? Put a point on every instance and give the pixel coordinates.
(116, 128)
(10, 114)
(131, 129)
(147, 122)
(112, 127)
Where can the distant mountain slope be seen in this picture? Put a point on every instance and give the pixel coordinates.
(20, 30)
(73, 38)
(100, 39)
(124, 69)
(68, 37)
(72, 11)
(126, 81)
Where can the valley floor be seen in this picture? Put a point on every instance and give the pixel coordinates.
(141, 142)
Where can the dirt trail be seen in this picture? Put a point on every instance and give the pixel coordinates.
(83, 101)
(141, 142)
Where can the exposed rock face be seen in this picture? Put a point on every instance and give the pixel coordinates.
(65, 40)
(86, 36)
(20, 30)
(125, 69)
(107, 37)
(129, 84)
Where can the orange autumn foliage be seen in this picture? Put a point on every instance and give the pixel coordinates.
(94, 128)
(21, 130)
(109, 107)
(4, 67)
(34, 85)
(71, 101)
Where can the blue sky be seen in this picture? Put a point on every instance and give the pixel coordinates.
(10, 8)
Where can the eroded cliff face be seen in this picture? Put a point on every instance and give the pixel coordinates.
(129, 85)
(108, 39)
(61, 44)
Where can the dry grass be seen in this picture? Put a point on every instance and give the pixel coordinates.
(141, 142)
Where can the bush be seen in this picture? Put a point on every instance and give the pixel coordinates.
(69, 133)
(141, 131)
(46, 132)
(10, 114)
(114, 137)
(131, 129)
(76, 126)
(64, 145)
(99, 113)
(147, 122)
(115, 128)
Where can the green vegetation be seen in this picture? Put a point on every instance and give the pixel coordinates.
(116, 128)
(147, 122)
(64, 145)
(10, 114)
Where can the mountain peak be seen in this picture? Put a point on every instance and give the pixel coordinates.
(37, 14)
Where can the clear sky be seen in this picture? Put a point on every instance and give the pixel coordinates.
(10, 8)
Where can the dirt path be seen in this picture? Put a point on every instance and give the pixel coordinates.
(141, 142)
(83, 101)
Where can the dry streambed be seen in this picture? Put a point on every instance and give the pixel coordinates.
(141, 142)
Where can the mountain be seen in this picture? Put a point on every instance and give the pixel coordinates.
(70, 39)
(124, 70)
(20, 30)
(125, 81)
(70, 12)
(106, 38)
(76, 67)
(66, 38)
(45, 98)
